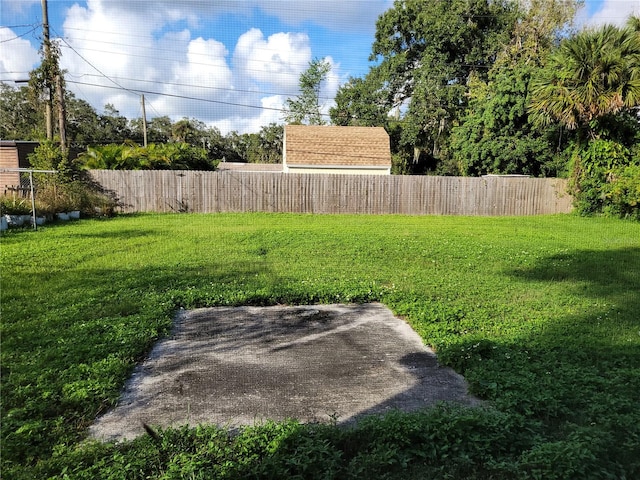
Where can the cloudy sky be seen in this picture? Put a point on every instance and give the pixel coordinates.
(229, 63)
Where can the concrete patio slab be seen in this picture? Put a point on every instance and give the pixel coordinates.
(235, 366)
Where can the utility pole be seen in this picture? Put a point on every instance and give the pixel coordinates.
(62, 116)
(47, 56)
(57, 80)
(144, 121)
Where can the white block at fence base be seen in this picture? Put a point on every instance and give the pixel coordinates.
(74, 215)
(4, 225)
(14, 220)
(62, 216)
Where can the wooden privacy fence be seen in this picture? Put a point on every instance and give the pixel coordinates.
(227, 191)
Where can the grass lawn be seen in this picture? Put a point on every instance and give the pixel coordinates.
(541, 315)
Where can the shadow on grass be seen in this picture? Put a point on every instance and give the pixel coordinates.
(125, 234)
(69, 345)
(577, 376)
(611, 279)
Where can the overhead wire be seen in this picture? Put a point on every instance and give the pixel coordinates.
(188, 85)
(89, 63)
(186, 97)
(207, 64)
(21, 35)
(119, 85)
(165, 94)
(169, 50)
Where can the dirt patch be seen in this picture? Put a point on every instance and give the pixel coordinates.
(234, 366)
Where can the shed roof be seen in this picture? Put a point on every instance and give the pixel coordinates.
(337, 146)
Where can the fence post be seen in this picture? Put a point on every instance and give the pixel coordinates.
(33, 201)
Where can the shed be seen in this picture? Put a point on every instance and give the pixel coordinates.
(333, 149)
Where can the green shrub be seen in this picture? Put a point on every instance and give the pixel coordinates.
(622, 192)
(606, 180)
(14, 205)
(165, 156)
(69, 188)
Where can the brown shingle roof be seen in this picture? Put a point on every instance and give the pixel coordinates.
(339, 146)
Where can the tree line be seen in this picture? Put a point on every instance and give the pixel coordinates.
(22, 119)
(480, 87)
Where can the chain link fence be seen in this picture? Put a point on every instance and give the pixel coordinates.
(19, 190)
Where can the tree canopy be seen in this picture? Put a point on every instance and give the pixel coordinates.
(306, 107)
(496, 135)
(22, 119)
(591, 76)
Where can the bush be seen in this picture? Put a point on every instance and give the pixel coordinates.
(606, 180)
(12, 205)
(69, 188)
(622, 193)
(166, 156)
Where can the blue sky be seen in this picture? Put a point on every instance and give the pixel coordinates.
(229, 63)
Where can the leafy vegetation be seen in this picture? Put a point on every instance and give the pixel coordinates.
(23, 120)
(67, 189)
(305, 109)
(591, 85)
(538, 313)
(167, 156)
(495, 135)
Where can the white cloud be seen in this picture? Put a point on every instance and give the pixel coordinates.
(614, 12)
(105, 45)
(271, 112)
(149, 46)
(17, 56)
(337, 15)
(330, 85)
(276, 61)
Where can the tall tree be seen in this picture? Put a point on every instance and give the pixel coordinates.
(361, 102)
(496, 135)
(428, 51)
(305, 109)
(113, 126)
(19, 120)
(184, 131)
(590, 77)
(270, 143)
(591, 84)
(82, 121)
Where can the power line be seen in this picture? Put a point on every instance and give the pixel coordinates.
(24, 25)
(217, 65)
(92, 65)
(174, 95)
(176, 84)
(177, 52)
(187, 97)
(21, 35)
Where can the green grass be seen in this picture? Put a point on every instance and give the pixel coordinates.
(541, 315)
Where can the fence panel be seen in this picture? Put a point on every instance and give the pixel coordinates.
(230, 191)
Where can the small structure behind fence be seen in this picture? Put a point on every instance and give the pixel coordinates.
(229, 191)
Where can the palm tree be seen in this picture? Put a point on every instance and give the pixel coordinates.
(592, 75)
